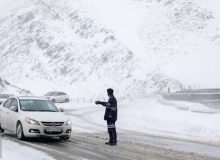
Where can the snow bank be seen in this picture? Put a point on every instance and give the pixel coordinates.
(188, 120)
(12, 151)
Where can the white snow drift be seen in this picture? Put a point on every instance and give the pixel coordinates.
(12, 151)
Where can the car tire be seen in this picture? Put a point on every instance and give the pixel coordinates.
(67, 100)
(1, 130)
(64, 138)
(20, 132)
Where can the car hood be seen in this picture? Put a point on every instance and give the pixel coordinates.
(47, 116)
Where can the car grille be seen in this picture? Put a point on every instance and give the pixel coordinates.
(53, 132)
(52, 123)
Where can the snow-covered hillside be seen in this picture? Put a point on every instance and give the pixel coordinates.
(6, 87)
(83, 47)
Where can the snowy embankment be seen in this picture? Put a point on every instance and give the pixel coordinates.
(82, 47)
(151, 116)
(6, 87)
(12, 151)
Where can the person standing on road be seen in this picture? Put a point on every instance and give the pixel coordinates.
(110, 116)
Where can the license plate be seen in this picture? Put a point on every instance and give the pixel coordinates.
(53, 129)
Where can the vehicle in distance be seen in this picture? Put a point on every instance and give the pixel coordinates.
(34, 117)
(57, 97)
(3, 97)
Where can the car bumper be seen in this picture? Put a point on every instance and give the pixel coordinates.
(46, 131)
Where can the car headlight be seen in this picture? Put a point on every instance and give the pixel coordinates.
(31, 121)
(68, 122)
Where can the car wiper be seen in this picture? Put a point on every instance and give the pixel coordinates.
(40, 110)
(47, 111)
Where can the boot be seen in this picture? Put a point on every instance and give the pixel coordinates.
(110, 136)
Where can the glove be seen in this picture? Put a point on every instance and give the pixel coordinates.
(97, 102)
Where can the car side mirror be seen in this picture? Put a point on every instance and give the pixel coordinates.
(14, 108)
(61, 110)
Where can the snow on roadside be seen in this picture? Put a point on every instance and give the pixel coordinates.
(188, 106)
(12, 151)
(151, 116)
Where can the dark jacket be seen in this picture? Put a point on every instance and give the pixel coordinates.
(111, 110)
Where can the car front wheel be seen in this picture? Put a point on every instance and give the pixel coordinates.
(1, 130)
(20, 132)
(67, 100)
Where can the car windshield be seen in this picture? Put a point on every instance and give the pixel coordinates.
(5, 96)
(50, 94)
(38, 106)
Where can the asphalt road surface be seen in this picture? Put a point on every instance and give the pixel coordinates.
(130, 146)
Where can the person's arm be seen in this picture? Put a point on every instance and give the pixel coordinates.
(110, 104)
(102, 103)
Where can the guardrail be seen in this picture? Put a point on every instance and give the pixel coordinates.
(192, 96)
(210, 97)
(92, 100)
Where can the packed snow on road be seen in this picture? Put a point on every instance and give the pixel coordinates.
(11, 150)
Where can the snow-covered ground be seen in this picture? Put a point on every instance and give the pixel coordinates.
(151, 116)
(12, 150)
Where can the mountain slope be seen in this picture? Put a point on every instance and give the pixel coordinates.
(6, 87)
(75, 46)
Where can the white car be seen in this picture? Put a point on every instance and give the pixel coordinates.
(3, 97)
(57, 97)
(34, 117)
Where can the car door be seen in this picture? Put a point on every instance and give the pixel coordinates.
(63, 96)
(58, 97)
(12, 116)
(5, 112)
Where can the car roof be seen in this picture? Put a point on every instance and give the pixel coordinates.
(31, 98)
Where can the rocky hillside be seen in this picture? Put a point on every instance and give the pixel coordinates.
(6, 87)
(64, 45)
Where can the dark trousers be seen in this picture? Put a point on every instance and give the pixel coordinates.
(112, 132)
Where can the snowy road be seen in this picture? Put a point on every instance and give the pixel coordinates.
(131, 146)
(89, 135)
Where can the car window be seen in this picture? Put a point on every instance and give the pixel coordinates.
(38, 106)
(7, 103)
(58, 94)
(14, 103)
(50, 94)
(61, 93)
